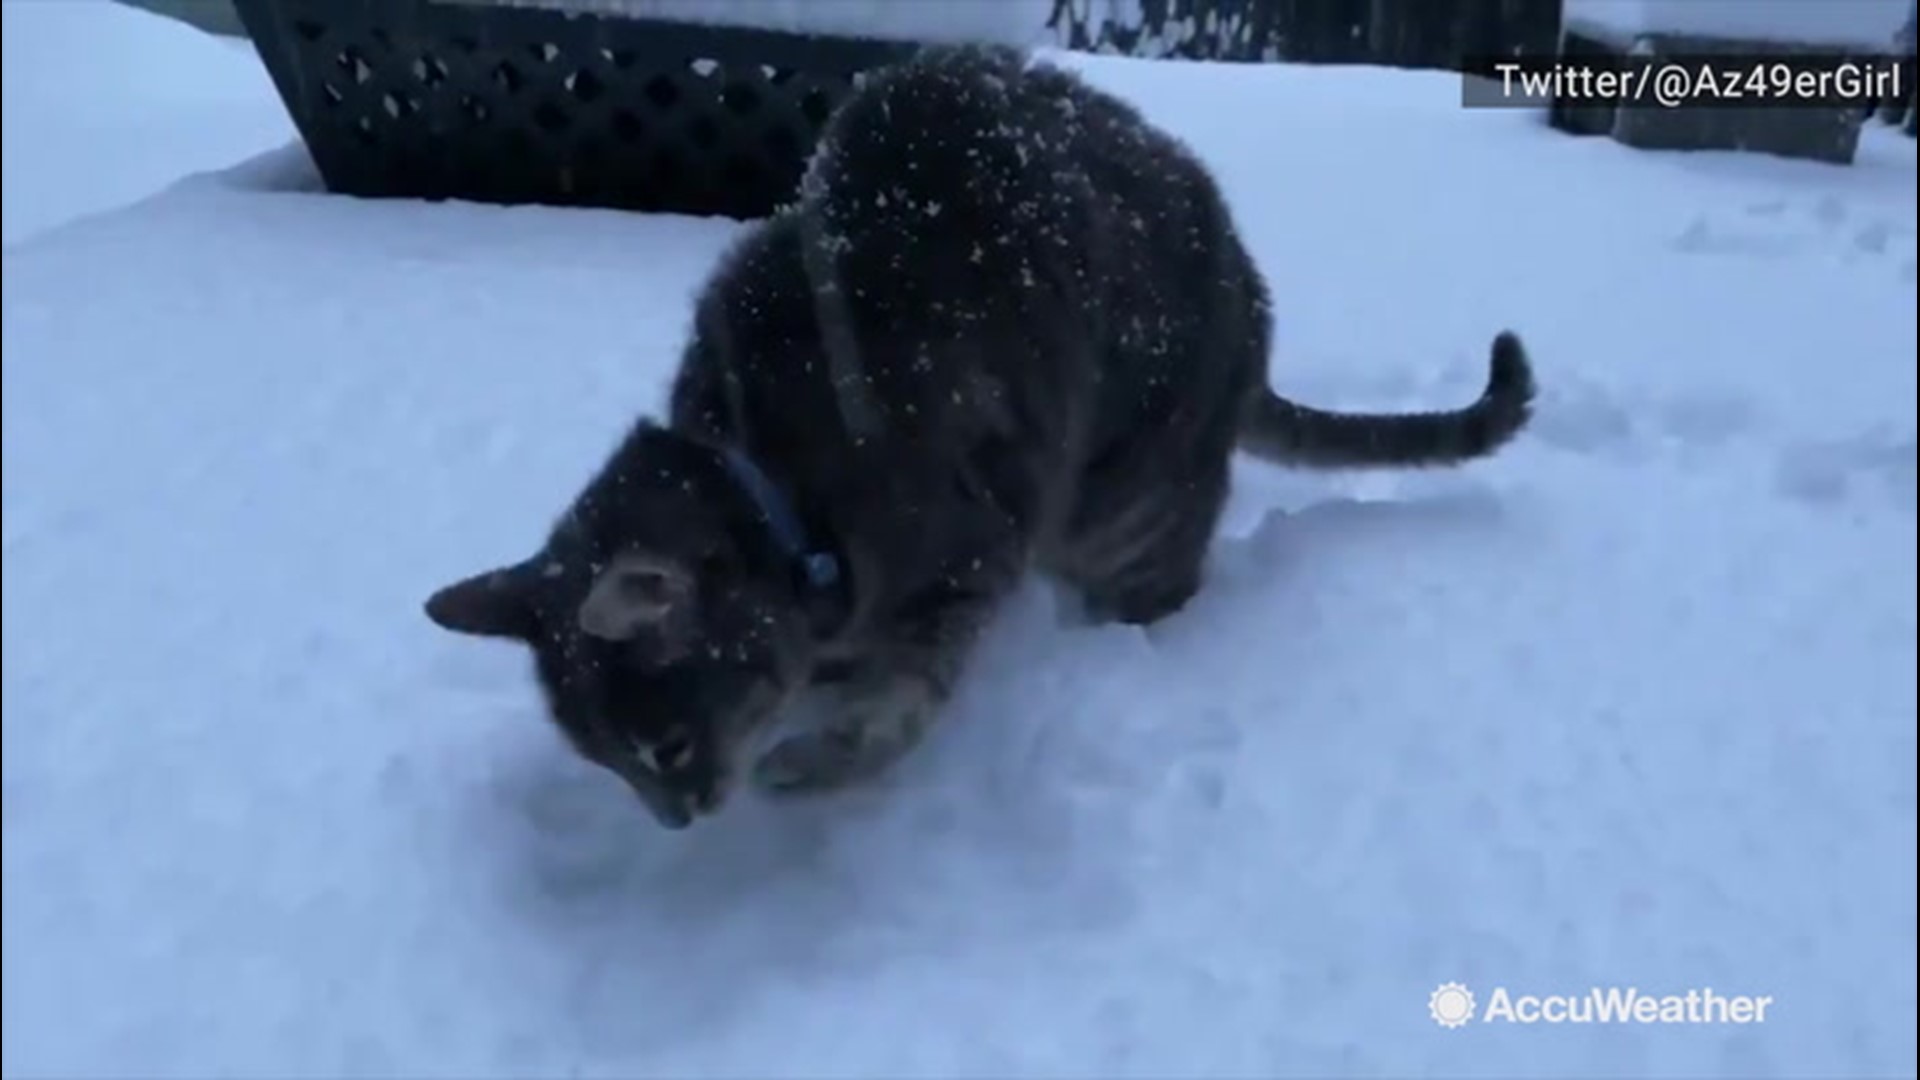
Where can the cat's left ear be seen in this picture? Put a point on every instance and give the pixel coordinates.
(498, 603)
(642, 594)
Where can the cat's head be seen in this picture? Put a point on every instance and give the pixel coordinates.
(665, 635)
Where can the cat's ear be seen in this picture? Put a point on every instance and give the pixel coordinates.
(498, 603)
(640, 594)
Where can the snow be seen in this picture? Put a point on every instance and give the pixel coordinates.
(1869, 24)
(1631, 705)
(105, 104)
(1014, 22)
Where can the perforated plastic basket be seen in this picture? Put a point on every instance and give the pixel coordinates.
(418, 99)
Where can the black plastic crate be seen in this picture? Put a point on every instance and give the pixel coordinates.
(416, 99)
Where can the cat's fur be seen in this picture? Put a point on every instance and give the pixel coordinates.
(1008, 325)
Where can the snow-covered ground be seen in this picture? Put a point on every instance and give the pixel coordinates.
(104, 106)
(1632, 705)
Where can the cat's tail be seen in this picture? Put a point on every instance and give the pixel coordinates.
(1287, 433)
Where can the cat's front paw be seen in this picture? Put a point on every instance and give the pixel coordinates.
(877, 727)
(809, 764)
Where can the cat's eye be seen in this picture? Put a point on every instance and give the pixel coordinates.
(670, 754)
(649, 588)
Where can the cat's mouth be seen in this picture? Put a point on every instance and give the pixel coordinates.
(664, 774)
(673, 807)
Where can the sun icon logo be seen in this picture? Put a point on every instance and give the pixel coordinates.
(1451, 1005)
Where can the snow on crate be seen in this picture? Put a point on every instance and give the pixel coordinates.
(1013, 22)
(1870, 24)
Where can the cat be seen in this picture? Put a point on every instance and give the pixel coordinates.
(1006, 325)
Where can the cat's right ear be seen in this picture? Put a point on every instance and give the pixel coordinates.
(498, 603)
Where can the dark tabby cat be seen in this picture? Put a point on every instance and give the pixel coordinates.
(1008, 324)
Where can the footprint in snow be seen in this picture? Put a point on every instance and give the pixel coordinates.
(1830, 212)
(1874, 238)
(1769, 232)
(1705, 419)
(1828, 472)
(1582, 417)
(1702, 237)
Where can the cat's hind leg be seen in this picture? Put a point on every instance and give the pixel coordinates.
(1140, 552)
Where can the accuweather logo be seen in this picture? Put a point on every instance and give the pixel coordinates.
(1452, 1005)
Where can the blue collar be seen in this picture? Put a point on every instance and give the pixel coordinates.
(820, 569)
